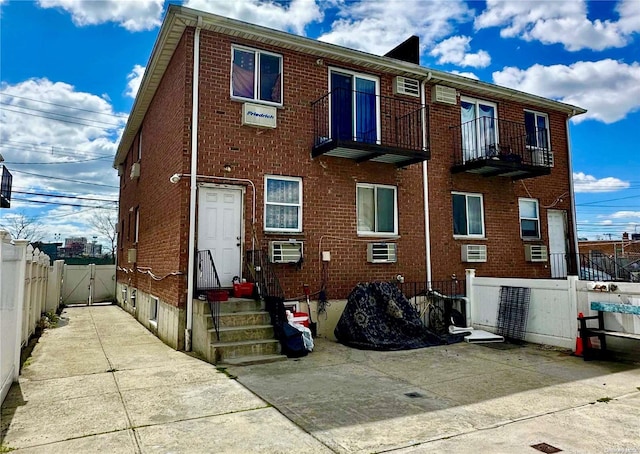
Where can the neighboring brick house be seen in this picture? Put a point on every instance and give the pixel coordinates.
(301, 142)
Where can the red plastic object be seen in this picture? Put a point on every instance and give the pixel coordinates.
(217, 295)
(301, 318)
(242, 289)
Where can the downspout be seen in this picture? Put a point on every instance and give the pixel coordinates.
(425, 185)
(574, 228)
(194, 187)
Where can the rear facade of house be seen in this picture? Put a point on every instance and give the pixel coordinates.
(317, 159)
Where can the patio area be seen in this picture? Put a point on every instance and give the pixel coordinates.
(455, 398)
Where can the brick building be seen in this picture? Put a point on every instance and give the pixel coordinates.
(346, 166)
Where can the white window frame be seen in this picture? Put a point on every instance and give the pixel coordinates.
(154, 307)
(140, 145)
(375, 196)
(136, 233)
(466, 209)
(521, 218)
(537, 114)
(256, 79)
(361, 76)
(299, 205)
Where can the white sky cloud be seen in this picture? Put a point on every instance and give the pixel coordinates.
(377, 27)
(466, 74)
(625, 214)
(134, 78)
(456, 50)
(589, 183)
(294, 17)
(563, 22)
(609, 89)
(79, 148)
(134, 15)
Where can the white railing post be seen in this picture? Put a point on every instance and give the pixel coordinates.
(470, 275)
(26, 308)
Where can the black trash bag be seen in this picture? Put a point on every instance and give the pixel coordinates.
(292, 342)
(379, 317)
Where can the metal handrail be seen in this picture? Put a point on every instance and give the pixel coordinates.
(208, 283)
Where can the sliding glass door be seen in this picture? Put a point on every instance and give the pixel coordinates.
(354, 107)
(479, 129)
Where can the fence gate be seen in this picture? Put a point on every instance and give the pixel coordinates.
(87, 284)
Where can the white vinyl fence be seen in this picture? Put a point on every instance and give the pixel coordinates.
(24, 273)
(554, 306)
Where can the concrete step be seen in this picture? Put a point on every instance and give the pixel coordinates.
(251, 360)
(241, 305)
(223, 351)
(247, 318)
(242, 333)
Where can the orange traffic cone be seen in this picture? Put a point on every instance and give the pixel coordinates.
(579, 347)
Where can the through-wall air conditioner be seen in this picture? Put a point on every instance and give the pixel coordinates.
(444, 95)
(406, 86)
(285, 251)
(132, 255)
(135, 170)
(382, 252)
(535, 252)
(474, 253)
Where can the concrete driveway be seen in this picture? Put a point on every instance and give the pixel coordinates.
(100, 382)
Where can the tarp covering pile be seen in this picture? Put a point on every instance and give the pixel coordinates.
(379, 317)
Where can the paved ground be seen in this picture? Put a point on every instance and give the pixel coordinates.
(103, 383)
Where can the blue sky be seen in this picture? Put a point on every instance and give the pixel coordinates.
(80, 62)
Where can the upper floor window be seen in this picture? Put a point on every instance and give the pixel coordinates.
(283, 204)
(529, 219)
(256, 75)
(355, 109)
(537, 129)
(377, 207)
(479, 128)
(468, 214)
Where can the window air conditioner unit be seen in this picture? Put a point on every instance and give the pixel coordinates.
(285, 251)
(474, 253)
(132, 255)
(382, 252)
(444, 95)
(406, 86)
(535, 252)
(135, 170)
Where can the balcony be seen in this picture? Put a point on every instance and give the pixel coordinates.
(367, 127)
(492, 147)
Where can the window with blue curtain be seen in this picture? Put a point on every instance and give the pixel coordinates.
(354, 112)
(376, 209)
(283, 204)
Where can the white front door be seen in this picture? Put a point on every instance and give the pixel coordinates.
(220, 229)
(557, 243)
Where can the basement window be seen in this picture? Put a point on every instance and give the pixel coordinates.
(153, 310)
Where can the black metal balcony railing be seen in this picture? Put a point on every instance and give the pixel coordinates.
(590, 267)
(499, 147)
(370, 127)
(207, 283)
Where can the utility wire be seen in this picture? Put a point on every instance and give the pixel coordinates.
(49, 149)
(48, 112)
(65, 179)
(44, 202)
(52, 163)
(60, 119)
(62, 196)
(63, 105)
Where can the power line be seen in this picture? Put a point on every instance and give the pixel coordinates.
(59, 119)
(44, 202)
(53, 113)
(48, 149)
(62, 105)
(65, 179)
(52, 163)
(62, 196)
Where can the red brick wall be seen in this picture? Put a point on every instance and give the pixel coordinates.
(329, 184)
(505, 248)
(163, 231)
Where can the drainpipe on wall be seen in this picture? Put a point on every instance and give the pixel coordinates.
(574, 229)
(425, 185)
(194, 187)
